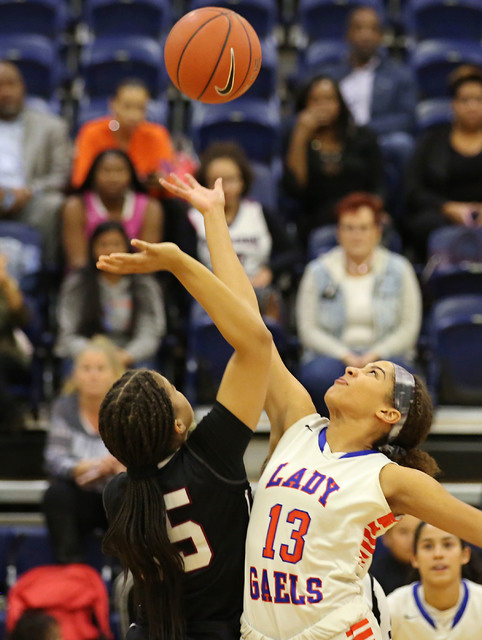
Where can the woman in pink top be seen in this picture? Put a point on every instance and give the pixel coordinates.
(111, 191)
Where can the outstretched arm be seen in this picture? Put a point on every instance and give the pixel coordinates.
(414, 492)
(287, 400)
(243, 387)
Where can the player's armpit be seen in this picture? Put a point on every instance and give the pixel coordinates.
(414, 492)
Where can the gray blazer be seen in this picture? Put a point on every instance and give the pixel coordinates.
(47, 151)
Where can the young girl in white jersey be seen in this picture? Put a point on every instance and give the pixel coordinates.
(330, 488)
(441, 606)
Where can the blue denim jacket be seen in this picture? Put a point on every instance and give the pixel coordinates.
(386, 298)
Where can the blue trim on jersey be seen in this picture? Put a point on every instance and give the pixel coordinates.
(420, 606)
(463, 605)
(425, 614)
(352, 454)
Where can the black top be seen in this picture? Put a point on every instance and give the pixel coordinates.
(438, 174)
(209, 525)
(359, 167)
(390, 572)
(464, 183)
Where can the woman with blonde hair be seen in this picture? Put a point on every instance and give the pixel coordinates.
(76, 459)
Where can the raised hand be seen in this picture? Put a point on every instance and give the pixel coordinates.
(150, 258)
(201, 198)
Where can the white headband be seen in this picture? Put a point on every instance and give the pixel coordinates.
(403, 396)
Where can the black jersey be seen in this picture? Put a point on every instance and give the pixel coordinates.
(208, 503)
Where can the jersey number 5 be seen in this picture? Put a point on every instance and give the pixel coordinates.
(301, 520)
(188, 530)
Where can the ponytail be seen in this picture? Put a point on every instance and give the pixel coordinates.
(136, 423)
(404, 449)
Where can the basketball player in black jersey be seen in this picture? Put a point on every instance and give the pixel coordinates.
(178, 516)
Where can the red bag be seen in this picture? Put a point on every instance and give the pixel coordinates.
(74, 594)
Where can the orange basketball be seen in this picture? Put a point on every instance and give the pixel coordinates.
(212, 55)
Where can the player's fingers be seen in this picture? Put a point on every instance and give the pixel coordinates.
(218, 185)
(103, 265)
(142, 245)
(170, 186)
(177, 181)
(191, 180)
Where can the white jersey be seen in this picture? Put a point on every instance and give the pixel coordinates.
(311, 537)
(249, 234)
(413, 618)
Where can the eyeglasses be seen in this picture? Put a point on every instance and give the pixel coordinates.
(361, 228)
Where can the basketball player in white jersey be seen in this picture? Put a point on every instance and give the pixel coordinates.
(441, 606)
(330, 488)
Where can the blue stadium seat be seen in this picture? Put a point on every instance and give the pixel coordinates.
(433, 112)
(41, 104)
(265, 187)
(454, 264)
(327, 19)
(433, 60)
(455, 336)
(261, 14)
(149, 18)
(319, 54)
(208, 354)
(30, 547)
(22, 244)
(444, 19)
(265, 84)
(42, 17)
(254, 124)
(91, 108)
(6, 536)
(455, 245)
(107, 61)
(38, 60)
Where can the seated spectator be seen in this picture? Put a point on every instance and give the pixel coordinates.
(128, 309)
(357, 303)
(259, 238)
(14, 356)
(35, 157)
(110, 191)
(148, 144)
(380, 92)
(443, 180)
(441, 605)
(36, 625)
(328, 156)
(76, 459)
(392, 565)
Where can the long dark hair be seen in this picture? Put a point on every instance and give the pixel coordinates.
(136, 423)
(91, 320)
(414, 432)
(89, 183)
(345, 123)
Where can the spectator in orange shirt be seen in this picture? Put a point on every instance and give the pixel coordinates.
(148, 145)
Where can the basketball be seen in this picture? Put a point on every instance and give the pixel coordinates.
(212, 55)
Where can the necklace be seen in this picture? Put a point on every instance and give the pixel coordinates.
(358, 269)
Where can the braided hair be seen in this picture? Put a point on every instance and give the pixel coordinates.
(136, 423)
